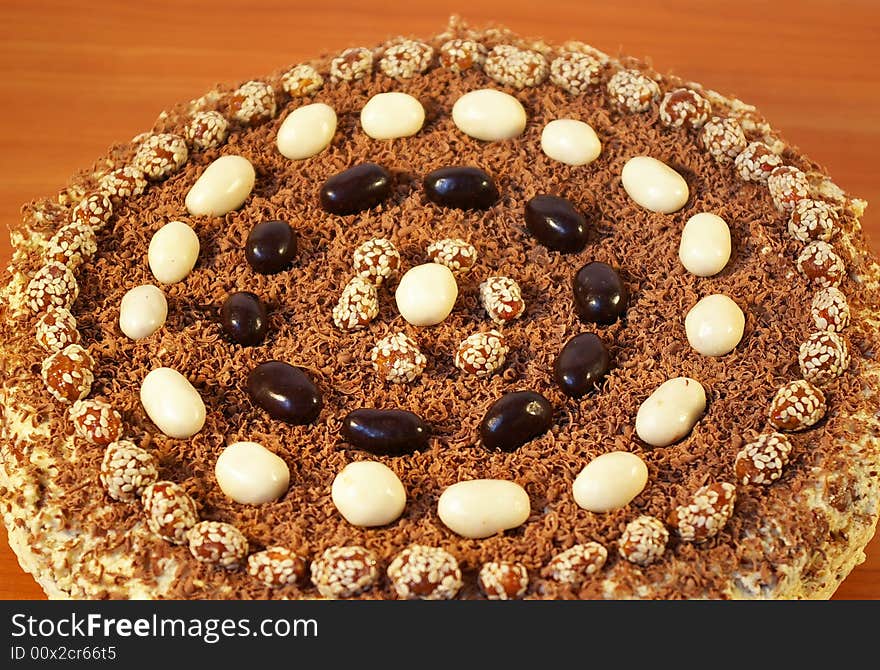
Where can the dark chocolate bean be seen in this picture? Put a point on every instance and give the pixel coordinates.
(556, 224)
(270, 247)
(356, 189)
(385, 431)
(461, 188)
(581, 365)
(515, 419)
(600, 296)
(285, 392)
(244, 318)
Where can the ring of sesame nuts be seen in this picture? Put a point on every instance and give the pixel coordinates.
(129, 473)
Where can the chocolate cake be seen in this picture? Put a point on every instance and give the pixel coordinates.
(472, 316)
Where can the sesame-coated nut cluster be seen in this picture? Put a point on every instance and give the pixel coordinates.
(343, 572)
(406, 59)
(277, 567)
(53, 285)
(351, 65)
(633, 91)
(207, 130)
(684, 108)
(723, 138)
(425, 573)
(481, 353)
(512, 66)
(502, 299)
(756, 162)
(396, 358)
(762, 461)
(56, 328)
(376, 260)
(94, 210)
(357, 306)
(812, 220)
(127, 470)
(459, 55)
(503, 580)
(822, 357)
(125, 182)
(301, 80)
(161, 155)
(68, 373)
(217, 543)
(577, 563)
(787, 186)
(96, 421)
(252, 103)
(643, 540)
(706, 513)
(73, 244)
(797, 406)
(575, 72)
(821, 265)
(830, 309)
(170, 511)
(455, 253)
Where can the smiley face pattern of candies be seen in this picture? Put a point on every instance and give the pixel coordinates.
(130, 473)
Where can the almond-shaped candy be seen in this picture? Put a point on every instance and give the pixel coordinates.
(671, 411)
(426, 294)
(172, 403)
(306, 131)
(704, 249)
(222, 188)
(490, 115)
(387, 116)
(368, 493)
(483, 507)
(715, 325)
(654, 185)
(173, 252)
(610, 481)
(142, 311)
(250, 474)
(571, 142)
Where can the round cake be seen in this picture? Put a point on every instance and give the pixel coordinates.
(471, 316)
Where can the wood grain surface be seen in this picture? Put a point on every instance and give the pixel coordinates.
(78, 76)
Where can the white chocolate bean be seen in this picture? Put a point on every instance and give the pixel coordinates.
(610, 481)
(426, 294)
(571, 142)
(387, 116)
(172, 403)
(654, 185)
(223, 187)
(250, 474)
(306, 131)
(368, 493)
(142, 311)
(490, 115)
(671, 411)
(715, 325)
(483, 507)
(704, 249)
(173, 251)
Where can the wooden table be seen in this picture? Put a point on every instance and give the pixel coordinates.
(80, 75)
